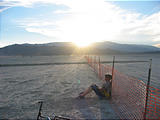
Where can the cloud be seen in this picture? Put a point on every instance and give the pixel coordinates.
(156, 38)
(44, 31)
(149, 25)
(34, 22)
(30, 3)
(93, 20)
(157, 45)
(27, 3)
(3, 8)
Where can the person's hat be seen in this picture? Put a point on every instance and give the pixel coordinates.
(108, 75)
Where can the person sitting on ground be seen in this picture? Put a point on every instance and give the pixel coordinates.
(103, 92)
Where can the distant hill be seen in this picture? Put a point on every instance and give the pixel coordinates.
(68, 48)
(131, 48)
(36, 49)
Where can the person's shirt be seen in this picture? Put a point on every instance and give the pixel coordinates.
(106, 88)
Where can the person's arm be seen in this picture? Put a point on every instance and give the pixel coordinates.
(102, 88)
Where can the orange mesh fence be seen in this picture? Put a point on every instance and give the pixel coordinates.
(128, 93)
(153, 107)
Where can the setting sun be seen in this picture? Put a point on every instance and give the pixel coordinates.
(82, 43)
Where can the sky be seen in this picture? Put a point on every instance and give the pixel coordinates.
(79, 21)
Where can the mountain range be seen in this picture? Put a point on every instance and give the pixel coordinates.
(68, 48)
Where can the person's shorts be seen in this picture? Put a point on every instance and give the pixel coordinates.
(97, 91)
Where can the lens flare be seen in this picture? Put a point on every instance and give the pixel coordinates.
(82, 43)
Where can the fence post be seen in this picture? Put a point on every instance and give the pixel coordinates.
(91, 61)
(147, 89)
(112, 74)
(88, 59)
(113, 67)
(99, 66)
(94, 64)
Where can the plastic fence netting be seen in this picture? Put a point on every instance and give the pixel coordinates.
(128, 93)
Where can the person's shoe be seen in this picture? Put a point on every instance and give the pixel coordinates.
(80, 96)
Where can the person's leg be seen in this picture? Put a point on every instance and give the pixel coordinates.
(94, 88)
(97, 91)
(88, 90)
